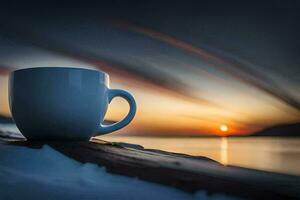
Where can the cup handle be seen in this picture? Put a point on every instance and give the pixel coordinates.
(112, 93)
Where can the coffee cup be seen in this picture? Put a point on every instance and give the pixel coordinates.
(62, 103)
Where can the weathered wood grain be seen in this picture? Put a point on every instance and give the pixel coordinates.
(184, 172)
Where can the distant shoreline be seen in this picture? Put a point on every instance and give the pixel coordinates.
(200, 136)
(283, 130)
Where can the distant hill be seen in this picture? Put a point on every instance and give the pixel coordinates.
(280, 130)
(5, 120)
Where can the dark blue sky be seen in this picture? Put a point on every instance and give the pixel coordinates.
(222, 55)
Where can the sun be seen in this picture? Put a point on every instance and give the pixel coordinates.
(224, 128)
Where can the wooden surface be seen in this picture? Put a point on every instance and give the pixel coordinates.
(188, 173)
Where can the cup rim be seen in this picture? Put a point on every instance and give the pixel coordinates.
(62, 68)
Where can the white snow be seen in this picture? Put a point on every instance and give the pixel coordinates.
(44, 173)
(10, 130)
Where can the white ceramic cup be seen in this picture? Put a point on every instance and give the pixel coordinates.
(59, 103)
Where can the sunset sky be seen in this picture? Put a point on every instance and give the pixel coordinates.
(194, 68)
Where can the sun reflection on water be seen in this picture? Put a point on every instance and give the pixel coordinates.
(264, 153)
(223, 151)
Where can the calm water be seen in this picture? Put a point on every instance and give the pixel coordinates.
(264, 153)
